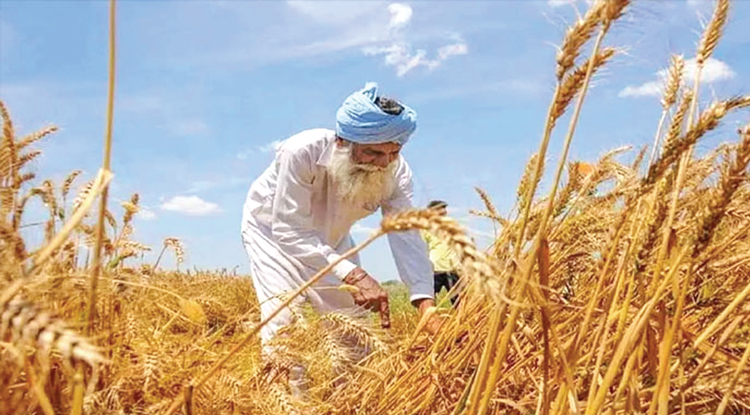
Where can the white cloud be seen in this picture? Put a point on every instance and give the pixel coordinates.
(651, 88)
(399, 56)
(400, 15)
(190, 205)
(146, 214)
(398, 53)
(714, 70)
(376, 28)
(455, 49)
(270, 147)
(376, 38)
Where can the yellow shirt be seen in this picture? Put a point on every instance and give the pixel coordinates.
(443, 258)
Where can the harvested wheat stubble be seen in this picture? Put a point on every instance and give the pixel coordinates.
(626, 290)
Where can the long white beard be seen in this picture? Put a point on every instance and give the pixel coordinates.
(360, 185)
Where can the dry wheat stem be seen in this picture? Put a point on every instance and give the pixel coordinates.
(708, 331)
(91, 313)
(530, 182)
(720, 342)
(38, 389)
(544, 271)
(632, 335)
(728, 186)
(541, 233)
(78, 392)
(625, 377)
(620, 281)
(737, 373)
(662, 386)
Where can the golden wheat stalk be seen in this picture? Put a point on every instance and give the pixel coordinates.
(487, 202)
(91, 314)
(676, 125)
(34, 137)
(669, 97)
(68, 182)
(707, 121)
(573, 82)
(24, 324)
(673, 82)
(612, 11)
(713, 31)
(576, 36)
(525, 183)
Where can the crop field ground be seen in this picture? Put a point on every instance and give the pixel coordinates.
(623, 290)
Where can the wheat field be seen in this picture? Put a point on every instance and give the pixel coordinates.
(623, 290)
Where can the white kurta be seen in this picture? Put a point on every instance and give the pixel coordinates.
(293, 225)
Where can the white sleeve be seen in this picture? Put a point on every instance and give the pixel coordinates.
(408, 248)
(292, 224)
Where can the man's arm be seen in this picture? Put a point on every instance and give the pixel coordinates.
(408, 248)
(292, 225)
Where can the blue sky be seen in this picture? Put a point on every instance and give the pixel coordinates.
(204, 88)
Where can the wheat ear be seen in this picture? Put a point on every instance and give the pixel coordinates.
(713, 31)
(25, 324)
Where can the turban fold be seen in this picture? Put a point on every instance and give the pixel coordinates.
(360, 120)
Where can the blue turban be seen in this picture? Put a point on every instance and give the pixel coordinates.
(360, 120)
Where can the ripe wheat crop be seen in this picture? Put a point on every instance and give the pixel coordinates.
(624, 290)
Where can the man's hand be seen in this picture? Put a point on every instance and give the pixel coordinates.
(369, 294)
(434, 321)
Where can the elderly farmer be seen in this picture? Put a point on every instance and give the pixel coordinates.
(298, 213)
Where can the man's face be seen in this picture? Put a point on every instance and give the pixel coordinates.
(364, 173)
(378, 155)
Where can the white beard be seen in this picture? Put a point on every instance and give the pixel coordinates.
(360, 185)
